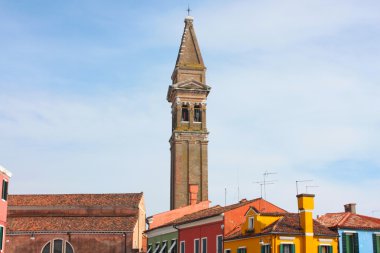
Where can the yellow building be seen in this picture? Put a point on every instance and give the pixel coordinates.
(282, 233)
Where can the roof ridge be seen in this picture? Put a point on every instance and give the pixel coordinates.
(345, 217)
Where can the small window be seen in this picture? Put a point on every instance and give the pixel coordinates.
(242, 250)
(1, 237)
(227, 251)
(164, 248)
(204, 245)
(376, 243)
(251, 221)
(350, 243)
(182, 248)
(4, 194)
(325, 249)
(265, 248)
(287, 248)
(197, 113)
(219, 244)
(58, 246)
(149, 248)
(157, 247)
(185, 113)
(196, 246)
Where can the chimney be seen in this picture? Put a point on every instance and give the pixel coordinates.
(350, 208)
(193, 192)
(305, 209)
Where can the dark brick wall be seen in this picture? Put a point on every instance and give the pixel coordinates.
(82, 243)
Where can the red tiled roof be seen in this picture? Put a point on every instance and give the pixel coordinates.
(349, 220)
(74, 224)
(288, 224)
(77, 200)
(259, 204)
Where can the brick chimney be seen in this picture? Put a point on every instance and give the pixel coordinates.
(193, 192)
(350, 208)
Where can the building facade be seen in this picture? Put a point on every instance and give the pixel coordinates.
(283, 232)
(189, 139)
(82, 223)
(357, 233)
(5, 175)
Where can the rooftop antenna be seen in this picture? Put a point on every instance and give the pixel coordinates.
(188, 10)
(310, 186)
(265, 175)
(262, 183)
(225, 196)
(302, 181)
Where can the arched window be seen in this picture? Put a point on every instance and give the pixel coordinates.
(58, 246)
(197, 113)
(185, 113)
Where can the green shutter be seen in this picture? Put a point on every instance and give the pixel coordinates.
(330, 249)
(319, 249)
(293, 248)
(356, 243)
(281, 248)
(344, 242)
(376, 243)
(1, 237)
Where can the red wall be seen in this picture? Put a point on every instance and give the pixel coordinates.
(211, 231)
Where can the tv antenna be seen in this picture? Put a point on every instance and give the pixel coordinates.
(262, 183)
(310, 186)
(265, 175)
(301, 181)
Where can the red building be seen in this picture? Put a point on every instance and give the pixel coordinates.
(203, 231)
(4, 177)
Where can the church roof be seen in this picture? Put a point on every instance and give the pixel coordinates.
(189, 54)
(131, 200)
(72, 224)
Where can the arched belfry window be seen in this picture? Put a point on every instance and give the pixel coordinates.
(57, 246)
(197, 113)
(185, 113)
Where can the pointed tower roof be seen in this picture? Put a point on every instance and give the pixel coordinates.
(189, 64)
(189, 55)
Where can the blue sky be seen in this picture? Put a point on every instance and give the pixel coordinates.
(295, 90)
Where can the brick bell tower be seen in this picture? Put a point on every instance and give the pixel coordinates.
(189, 139)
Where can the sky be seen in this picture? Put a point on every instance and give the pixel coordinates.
(295, 92)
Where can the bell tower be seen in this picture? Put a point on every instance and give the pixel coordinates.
(189, 140)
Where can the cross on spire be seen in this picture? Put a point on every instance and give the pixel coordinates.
(188, 10)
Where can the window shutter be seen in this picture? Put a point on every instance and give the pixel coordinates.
(319, 249)
(330, 249)
(356, 243)
(281, 248)
(293, 247)
(344, 242)
(1, 238)
(374, 239)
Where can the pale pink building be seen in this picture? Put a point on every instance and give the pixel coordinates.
(4, 180)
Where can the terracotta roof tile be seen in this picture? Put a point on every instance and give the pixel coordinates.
(350, 220)
(76, 200)
(289, 224)
(93, 224)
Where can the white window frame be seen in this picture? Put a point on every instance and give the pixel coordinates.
(225, 250)
(251, 221)
(2, 184)
(184, 246)
(242, 247)
(203, 238)
(63, 245)
(217, 246)
(199, 245)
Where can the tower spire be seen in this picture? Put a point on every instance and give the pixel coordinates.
(189, 55)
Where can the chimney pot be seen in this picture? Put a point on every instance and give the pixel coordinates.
(350, 208)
